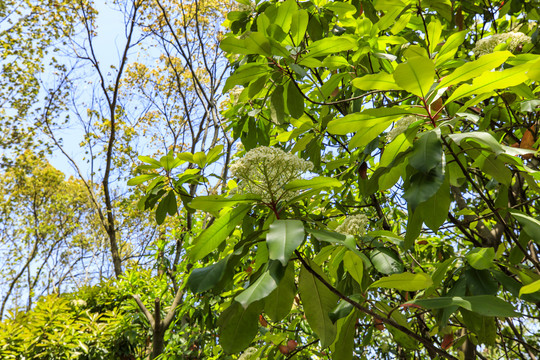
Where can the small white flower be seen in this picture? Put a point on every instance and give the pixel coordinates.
(400, 127)
(487, 45)
(265, 171)
(78, 303)
(353, 225)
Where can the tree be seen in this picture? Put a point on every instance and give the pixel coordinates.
(48, 237)
(383, 197)
(418, 235)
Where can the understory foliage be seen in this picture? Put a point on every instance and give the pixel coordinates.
(368, 189)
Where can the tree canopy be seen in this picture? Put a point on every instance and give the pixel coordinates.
(334, 179)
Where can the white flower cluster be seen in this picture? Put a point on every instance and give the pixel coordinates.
(266, 170)
(248, 354)
(400, 127)
(78, 303)
(353, 225)
(487, 45)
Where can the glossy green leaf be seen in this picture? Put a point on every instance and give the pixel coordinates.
(344, 345)
(214, 154)
(279, 302)
(475, 68)
(263, 286)
(295, 101)
(284, 14)
(530, 288)
(166, 206)
(283, 238)
(481, 258)
(450, 47)
(141, 178)
(369, 123)
(530, 225)
(423, 186)
(434, 211)
(379, 81)
(238, 326)
(203, 279)
(246, 73)
(486, 305)
(149, 160)
(214, 235)
(319, 182)
(427, 152)
(434, 30)
(299, 23)
(490, 81)
(404, 281)
(354, 266)
(213, 203)
(318, 302)
(327, 46)
(386, 261)
(416, 75)
(277, 105)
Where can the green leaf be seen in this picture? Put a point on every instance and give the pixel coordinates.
(299, 23)
(166, 205)
(416, 75)
(414, 227)
(486, 305)
(433, 34)
(318, 301)
(489, 142)
(327, 46)
(214, 154)
(491, 81)
(404, 281)
(484, 327)
(481, 258)
(530, 288)
(232, 45)
(368, 124)
(277, 105)
(344, 345)
(295, 101)
(263, 286)
(337, 238)
(149, 160)
(213, 203)
(473, 69)
(258, 43)
(245, 73)
(283, 238)
(238, 326)
(279, 303)
(214, 235)
(434, 211)
(530, 225)
(203, 279)
(423, 186)
(140, 179)
(427, 152)
(379, 81)
(386, 261)
(319, 182)
(354, 266)
(450, 47)
(284, 14)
